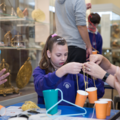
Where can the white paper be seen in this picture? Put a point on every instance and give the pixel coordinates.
(13, 110)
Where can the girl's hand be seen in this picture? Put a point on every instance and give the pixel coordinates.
(94, 70)
(97, 58)
(73, 67)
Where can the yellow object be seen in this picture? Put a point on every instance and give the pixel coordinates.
(24, 74)
(38, 15)
(29, 105)
(7, 38)
(20, 13)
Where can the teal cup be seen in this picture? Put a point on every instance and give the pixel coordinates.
(50, 99)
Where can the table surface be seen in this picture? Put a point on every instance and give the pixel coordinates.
(73, 110)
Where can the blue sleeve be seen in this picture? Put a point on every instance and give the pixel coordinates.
(100, 43)
(44, 81)
(100, 86)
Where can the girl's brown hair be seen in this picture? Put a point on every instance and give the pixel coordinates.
(45, 61)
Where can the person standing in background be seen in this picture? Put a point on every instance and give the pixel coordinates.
(70, 18)
(94, 35)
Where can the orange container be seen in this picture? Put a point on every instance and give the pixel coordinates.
(94, 52)
(108, 106)
(2, 110)
(81, 98)
(92, 94)
(101, 109)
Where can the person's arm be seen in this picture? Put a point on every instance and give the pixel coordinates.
(80, 19)
(71, 68)
(43, 81)
(104, 63)
(84, 34)
(2, 77)
(97, 72)
(100, 60)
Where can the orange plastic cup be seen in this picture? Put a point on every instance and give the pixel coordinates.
(2, 110)
(81, 98)
(94, 52)
(108, 106)
(92, 94)
(101, 109)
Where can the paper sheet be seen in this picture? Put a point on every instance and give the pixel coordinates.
(13, 110)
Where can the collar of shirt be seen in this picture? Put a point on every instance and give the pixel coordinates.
(95, 31)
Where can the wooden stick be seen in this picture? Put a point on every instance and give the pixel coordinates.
(77, 82)
(95, 49)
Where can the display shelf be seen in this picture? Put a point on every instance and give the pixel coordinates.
(22, 48)
(107, 48)
(7, 17)
(116, 50)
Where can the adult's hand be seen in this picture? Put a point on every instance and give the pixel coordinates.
(2, 77)
(88, 5)
(94, 70)
(97, 58)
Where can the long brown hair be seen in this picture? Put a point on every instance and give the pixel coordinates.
(45, 61)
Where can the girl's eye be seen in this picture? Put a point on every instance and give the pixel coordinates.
(66, 54)
(58, 55)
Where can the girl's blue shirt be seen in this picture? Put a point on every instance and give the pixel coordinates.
(67, 84)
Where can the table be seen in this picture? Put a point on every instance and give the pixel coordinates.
(72, 110)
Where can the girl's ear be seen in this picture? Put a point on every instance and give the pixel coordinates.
(48, 54)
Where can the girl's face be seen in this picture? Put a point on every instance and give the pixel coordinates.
(58, 55)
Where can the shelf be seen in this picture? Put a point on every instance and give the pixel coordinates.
(7, 17)
(116, 50)
(106, 48)
(12, 18)
(21, 48)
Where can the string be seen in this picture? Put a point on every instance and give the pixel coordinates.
(84, 77)
(94, 81)
(87, 80)
(93, 111)
(114, 107)
(95, 49)
(77, 82)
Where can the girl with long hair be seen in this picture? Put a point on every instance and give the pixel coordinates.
(53, 72)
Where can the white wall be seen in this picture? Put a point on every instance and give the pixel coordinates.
(42, 30)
